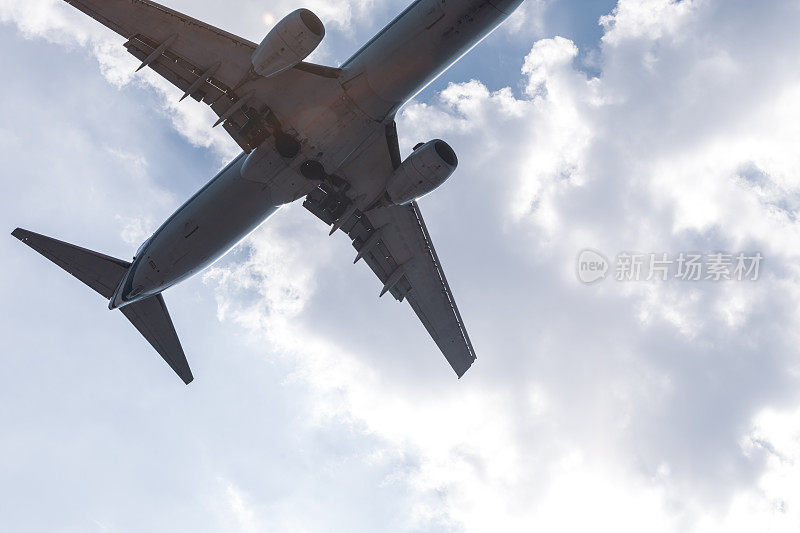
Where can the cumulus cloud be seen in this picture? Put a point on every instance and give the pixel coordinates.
(60, 23)
(642, 405)
(661, 406)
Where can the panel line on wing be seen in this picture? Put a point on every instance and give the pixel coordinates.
(442, 278)
(403, 258)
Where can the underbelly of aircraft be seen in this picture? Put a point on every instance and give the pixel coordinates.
(245, 194)
(201, 231)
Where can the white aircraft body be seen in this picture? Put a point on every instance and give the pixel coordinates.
(326, 134)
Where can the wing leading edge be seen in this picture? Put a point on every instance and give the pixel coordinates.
(206, 63)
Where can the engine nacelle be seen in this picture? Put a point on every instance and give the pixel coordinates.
(289, 42)
(424, 170)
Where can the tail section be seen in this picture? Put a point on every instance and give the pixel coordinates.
(103, 274)
(151, 318)
(100, 272)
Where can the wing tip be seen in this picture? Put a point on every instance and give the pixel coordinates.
(461, 371)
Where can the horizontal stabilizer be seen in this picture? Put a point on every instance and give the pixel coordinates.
(151, 318)
(100, 272)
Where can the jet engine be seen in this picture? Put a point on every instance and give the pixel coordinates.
(288, 43)
(428, 166)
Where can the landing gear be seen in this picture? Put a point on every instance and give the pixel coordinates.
(313, 170)
(286, 145)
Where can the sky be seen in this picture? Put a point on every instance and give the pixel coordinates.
(638, 126)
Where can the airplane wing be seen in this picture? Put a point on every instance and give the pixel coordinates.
(396, 245)
(207, 63)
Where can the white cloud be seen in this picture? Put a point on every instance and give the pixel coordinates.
(652, 406)
(683, 142)
(647, 20)
(62, 24)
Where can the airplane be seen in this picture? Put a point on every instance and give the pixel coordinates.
(324, 134)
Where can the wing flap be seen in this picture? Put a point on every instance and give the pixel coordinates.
(394, 242)
(207, 63)
(148, 23)
(179, 71)
(425, 286)
(405, 261)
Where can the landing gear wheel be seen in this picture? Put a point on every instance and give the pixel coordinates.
(313, 170)
(286, 145)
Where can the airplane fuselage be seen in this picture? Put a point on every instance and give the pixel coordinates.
(390, 69)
